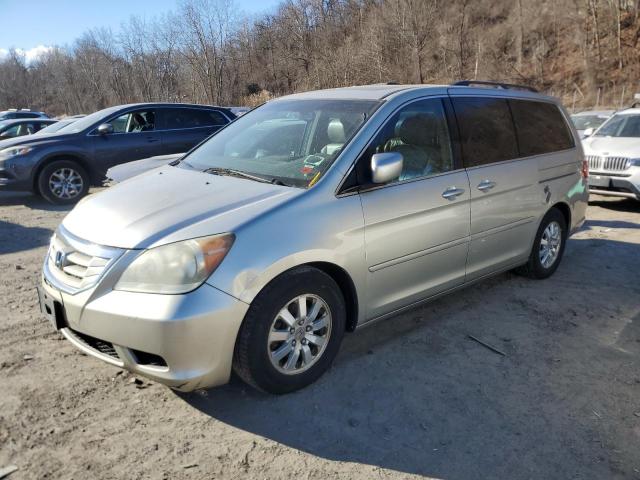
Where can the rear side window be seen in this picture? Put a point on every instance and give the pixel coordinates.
(540, 128)
(487, 133)
(176, 118)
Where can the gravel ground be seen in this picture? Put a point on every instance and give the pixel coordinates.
(412, 396)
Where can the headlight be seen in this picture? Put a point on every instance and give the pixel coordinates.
(177, 267)
(14, 152)
(635, 162)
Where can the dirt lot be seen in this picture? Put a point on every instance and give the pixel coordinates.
(410, 396)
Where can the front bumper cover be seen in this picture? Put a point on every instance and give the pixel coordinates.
(614, 186)
(194, 334)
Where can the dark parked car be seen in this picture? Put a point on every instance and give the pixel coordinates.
(24, 113)
(21, 127)
(61, 166)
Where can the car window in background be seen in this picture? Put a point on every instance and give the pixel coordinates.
(10, 132)
(177, 118)
(536, 120)
(134, 122)
(623, 125)
(293, 142)
(582, 122)
(487, 133)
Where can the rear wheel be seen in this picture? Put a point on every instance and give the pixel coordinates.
(548, 246)
(292, 332)
(63, 182)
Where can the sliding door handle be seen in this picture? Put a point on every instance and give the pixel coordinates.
(452, 193)
(486, 185)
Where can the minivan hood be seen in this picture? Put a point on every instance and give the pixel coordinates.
(612, 146)
(171, 204)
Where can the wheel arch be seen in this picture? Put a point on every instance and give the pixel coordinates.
(566, 212)
(347, 287)
(338, 274)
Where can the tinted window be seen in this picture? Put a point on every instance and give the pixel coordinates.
(192, 118)
(540, 128)
(26, 115)
(487, 134)
(420, 133)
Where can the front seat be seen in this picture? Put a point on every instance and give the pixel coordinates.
(414, 141)
(139, 123)
(335, 132)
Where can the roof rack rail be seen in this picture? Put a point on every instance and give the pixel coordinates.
(505, 86)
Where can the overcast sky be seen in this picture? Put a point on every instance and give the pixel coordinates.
(33, 26)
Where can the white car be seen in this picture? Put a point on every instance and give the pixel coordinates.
(613, 153)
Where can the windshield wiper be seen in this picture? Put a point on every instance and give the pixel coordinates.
(235, 173)
(240, 174)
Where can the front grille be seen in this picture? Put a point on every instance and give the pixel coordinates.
(595, 162)
(75, 264)
(612, 164)
(616, 163)
(101, 346)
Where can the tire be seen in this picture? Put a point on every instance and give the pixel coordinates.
(535, 267)
(76, 186)
(257, 355)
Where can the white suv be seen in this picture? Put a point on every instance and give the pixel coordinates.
(613, 153)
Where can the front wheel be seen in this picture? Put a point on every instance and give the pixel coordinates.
(548, 246)
(63, 182)
(292, 332)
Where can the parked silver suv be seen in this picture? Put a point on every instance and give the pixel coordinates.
(613, 152)
(312, 215)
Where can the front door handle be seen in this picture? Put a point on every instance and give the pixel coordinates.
(152, 139)
(486, 185)
(452, 193)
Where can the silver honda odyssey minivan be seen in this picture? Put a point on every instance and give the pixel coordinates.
(311, 216)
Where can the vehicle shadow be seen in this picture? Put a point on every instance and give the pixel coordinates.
(416, 394)
(593, 223)
(618, 204)
(29, 200)
(16, 238)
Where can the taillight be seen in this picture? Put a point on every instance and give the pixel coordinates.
(585, 169)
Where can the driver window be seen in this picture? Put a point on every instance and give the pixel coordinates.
(420, 133)
(134, 122)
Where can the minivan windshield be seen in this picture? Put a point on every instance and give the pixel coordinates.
(290, 142)
(622, 125)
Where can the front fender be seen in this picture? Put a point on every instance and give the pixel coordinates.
(331, 232)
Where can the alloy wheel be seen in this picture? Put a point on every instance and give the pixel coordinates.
(299, 334)
(550, 244)
(66, 183)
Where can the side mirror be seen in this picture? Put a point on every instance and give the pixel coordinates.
(105, 129)
(587, 133)
(386, 167)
